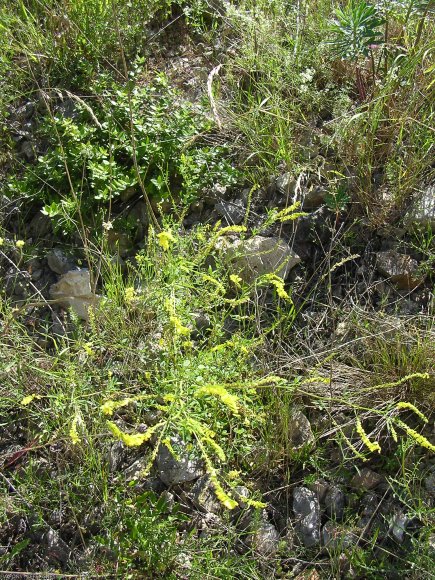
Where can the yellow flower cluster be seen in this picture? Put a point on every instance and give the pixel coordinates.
(418, 438)
(178, 326)
(220, 391)
(278, 283)
(371, 446)
(231, 230)
(129, 294)
(27, 400)
(165, 239)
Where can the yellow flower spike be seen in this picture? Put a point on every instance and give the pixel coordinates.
(418, 438)
(165, 239)
(2, 241)
(411, 407)
(87, 347)
(109, 407)
(134, 440)
(371, 446)
(73, 433)
(20, 244)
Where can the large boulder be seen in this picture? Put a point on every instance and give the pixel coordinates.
(259, 256)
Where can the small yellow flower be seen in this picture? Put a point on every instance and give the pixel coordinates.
(2, 241)
(20, 244)
(165, 239)
(235, 280)
(87, 347)
(27, 400)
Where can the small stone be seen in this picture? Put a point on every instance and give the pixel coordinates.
(232, 211)
(286, 184)
(117, 455)
(300, 432)
(429, 484)
(366, 479)
(320, 487)
(265, 540)
(398, 527)
(422, 212)
(57, 551)
(172, 470)
(400, 268)
(307, 511)
(313, 198)
(58, 262)
(27, 150)
(73, 290)
(259, 256)
(335, 502)
(203, 496)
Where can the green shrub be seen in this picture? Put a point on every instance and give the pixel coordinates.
(90, 160)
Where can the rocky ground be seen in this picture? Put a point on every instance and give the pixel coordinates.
(362, 294)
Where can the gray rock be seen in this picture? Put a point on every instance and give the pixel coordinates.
(335, 502)
(173, 470)
(27, 150)
(300, 432)
(73, 290)
(39, 227)
(259, 256)
(400, 268)
(203, 496)
(366, 479)
(286, 184)
(265, 540)
(232, 211)
(58, 262)
(422, 212)
(429, 484)
(67, 108)
(307, 511)
(56, 550)
(136, 470)
(398, 527)
(17, 283)
(313, 198)
(117, 455)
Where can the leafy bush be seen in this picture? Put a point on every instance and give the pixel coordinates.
(90, 155)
